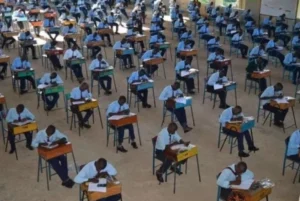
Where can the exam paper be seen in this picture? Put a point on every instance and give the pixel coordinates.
(182, 147)
(245, 185)
(95, 188)
(50, 146)
(184, 73)
(42, 86)
(181, 100)
(118, 117)
(77, 102)
(22, 123)
(281, 100)
(218, 86)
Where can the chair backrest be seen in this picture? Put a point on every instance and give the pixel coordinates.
(154, 141)
(287, 140)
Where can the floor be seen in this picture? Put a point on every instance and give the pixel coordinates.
(18, 178)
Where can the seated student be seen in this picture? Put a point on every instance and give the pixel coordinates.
(214, 45)
(290, 61)
(22, 64)
(205, 33)
(150, 54)
(155, 28)
(6, 40)
(281, 34)
(66, 16)
(235, 114)
(51, 137)
(259, 51)
(52, 79)
(214, 12)
(273, 92)
(293, 148)
(158, 38)
(280, 20)
(140, 76)
(209, 7)
(247, 15)
(26, 36)
(171, 92)
(237, 42)
(7, 19)
(189, 81)
(76, 68)
(19, 13)
(70, 29)
(234, 174)
(165, 139)
(187, 35)
(220, 22)
(256, 65)
(81, 93)
(267, 24)
(228, 10)
(201, 22)
(234, 15)
(93, 171)
(15, 115)
(120, 107)
(179, 26)
(258, 36)
(183, 45)
(104, 25)
(4, 67)
(250, 26)
(297, 28)
(132, 33)
(84, 21)
(100, 63)
(218, 78)
(48, 24)
(272, 50)
(123, 44)
(35, 18)
(52, 57)
(296, 42)
(111, 20)
(217, 56)
(75, 11)
(94, 37)
(231, 29)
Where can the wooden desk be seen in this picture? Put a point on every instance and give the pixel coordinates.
(34, 11)
(50, 14)
(88, 105)
(72, 35)
(57, 51)
(25, 128)
(4, 59)
(124, 51)
(142, 85)
(104, 72)
(52, 29)
(137, 38)
(111, 189)
(105, 31)
(164, 45)
(9, 34)
(219, 64)
(154, 61)
(186, 53)
(67, 23)
(261, 74)
(172, 104)
(283, 106)
(2, 99)
(95, 43)
(48, 154)
(250, 195)
(240, 127)
(128, 119)
(36, 23)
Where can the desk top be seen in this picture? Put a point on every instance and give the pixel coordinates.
(48, 154)
(111, 189)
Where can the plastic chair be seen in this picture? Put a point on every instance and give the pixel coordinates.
(232, 140)
(253, 85)
(165, 114)
(212, 96)
(292, 164)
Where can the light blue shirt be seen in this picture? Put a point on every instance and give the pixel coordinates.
(24, 37)
(155, 27)
(267, 21)
(294, 143)
(155, 39)
(258, 32)
(215, 77)
(219, 19)
(48, 23)
(279, 30)
(181, 66)
(149, 54)
(227, 115)
(18, 64)
(213, 56)
(271, 44)
(204, 30)
(119, 45)
(77, 94)
(255, 52)
(296, 41)
(135, 76)
(181, 46)
(115, 107)
(102, 25)
(46, 79)
(237, 38)
(67, 30)
(91, 37)
(42, 137)
(230, 27)
(269, 92)
(164, 139)
(249, 24)
(213, 43)
(111, 19)
(186, 35)
(74, 9)
(178, 24)
(168, 92)
(289, 59)
(297, 26)
(97, 64)
(13, 115)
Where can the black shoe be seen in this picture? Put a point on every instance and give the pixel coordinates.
(86, 126)
(29, 147)
(110, 45)
(69, 183)
(191, 92)
(121, 149)
(254, 149)
(159, 177)
(278, 124)
(243, 154)
(176, 170)
(34, 58)
(12, 151)
(23, 92)
(148, 105)
(187, 129)
(133, 144)
(2, 77)
(107, 92)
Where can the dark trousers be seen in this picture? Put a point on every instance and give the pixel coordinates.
(32, 50)
(11, 138)
(221, 26)
(221, 93)
(207, 37)
(240, 138)
(141, 44)
(151, 69)
(189, 81)
(296, 71)
(60, 166)
(81, 119)
(180, 115)
(225, 192)
(261, 82)
(20, 25)
(77, 16)
(121, 133)
(56, 33)
(260, 40)
(271, 30)
(7, 40)
(295, 158)
(50, 100)
(55, 61)
(23, 82)
(95, 51)
(123, 11)
(224, 68)
(70, 41)
(277, 54)
(107, 36)
(77, 70)
(284, 38)
(8, 21)
(4, 68)
(36, 30)
(125, 58)
(279, 115)
(102, 80)
(114, 25)
(243, 48)
(112, 198)
(166, 163)
(142, 95)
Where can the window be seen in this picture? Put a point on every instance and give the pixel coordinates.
(205, 1)
(298, 11)
(233, 2)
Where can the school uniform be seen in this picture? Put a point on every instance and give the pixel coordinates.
(4, 67)
(254, 66)
(214, 79)
(294, 146)
(189, 81)
(49, 23)
(290, 65)
(231, 30)
(149, 55)
(142, 94)
(213, 45)
(154, 39)
(92, 38)
(258, 36)
(214, 57)
(6, 40)
(76, 68)
(118, 45)
(111, 20)
(237, 42)
(131, 33)
(281, 34)
(67, 30)
(220, 23)
(272, 50)
(53, 58)
(267, 24)
(97, 64)
(257, 52)
(24, 37)
(103, 25)
(205, 33)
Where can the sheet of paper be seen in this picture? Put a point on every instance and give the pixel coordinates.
(218, 86)
(281, 100)
(50, 146)
(248, 118)
(94, 187)
(22, 123)
(181, 100)
(279, 48)
(184, 73)
(42, 86)
(245, 185)
(77, 102)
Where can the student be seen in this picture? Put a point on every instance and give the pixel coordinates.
(123, 44)
(183, 45)
(140, 76)
(237, 42)
(258, 36)
(158, 38)
(52, 57)
(256, 65)
(205, 33)
(22, 64)
(4, 67)
(93, 37)
(150, 54)
(290, 64)
(281, 34)
(293, 149)
(51, 137)
(70, 29)
(15, 115)
(120, 107)
(220, 22)
(217, 56)
(131, 33)
(296, 42)
(93, 171)
(218, 78)
(214, 44)
(189, 81)
(234, 174)
(74, 53)
(267, 24)
(111, 20)
(6, 40)
(165, 139)
(26, 36)
(48, 24)
(100, 64)
(273, 92)
(104, 25)
(272, 50)
(228, 10)
(259, 51)
(52, 79)
(235, 114)
(169, 93)
(81, 93)
(231, 29)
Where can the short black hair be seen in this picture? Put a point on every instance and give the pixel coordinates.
(279, 84)
(122, 98)
(103, 161)
(21, 107)
(238, 107)
(243, 165)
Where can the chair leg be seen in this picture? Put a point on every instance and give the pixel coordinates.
(297, 171)
(224, 142)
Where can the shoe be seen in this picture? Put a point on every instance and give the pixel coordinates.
(107, 92)
(278, 124)
(159, 177)
(243, 154)
(191, 92)
(86, 126)
(148, 105)
(60, 67)
(29, 147)
(23, 92)
(34, 58)
(80, 80)
(176, 170)
(69, 183)
(254, 149)
(2, 77)
(12, 151)
(133, 144)
(121, 149)
(244, 57)
(187, 129)
(110, 45)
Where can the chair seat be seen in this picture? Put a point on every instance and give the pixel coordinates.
(293, 160)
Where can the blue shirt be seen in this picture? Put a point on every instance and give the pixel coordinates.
(42, 137)
(149, 54)
(296, 41)
(115, 107)
(77, 94)
(67, 30)
(181, 46)
(13, 115)
(181, 65)
(46, 79)
(91, 37)
(258, 32)
(18, 64)
(97, 64)
(24, 37)
(256, 51)
(48, 23)
(155, 39)
(289, 59)
(269, 92)
(135, 76)
(168, 92)
(227, 115)
(294, 143)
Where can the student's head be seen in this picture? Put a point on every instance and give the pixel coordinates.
(237, 110)
(176, 85)
(74, 47)
(222, 73)
(20, 108)
(155, 50)
(50, 130)
(278, 86)
(24, 57)
(172, 128)
(248, 11)
(53, 75)
(230, 5)
(188, 60)
(283, 15)
(261, 46)
(111, 13)
(100, 164)
(142, 72)
(99, 56)
(240, 168)
(27, 33)
(123, 40)
(84, 86)
(122, 100)
(271, 17)
(95, 34)
(186, 42)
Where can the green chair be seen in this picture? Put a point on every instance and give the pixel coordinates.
(293, 162)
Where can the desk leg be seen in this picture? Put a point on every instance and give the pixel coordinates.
(164, 70)
(99, 112)
(86, 71)
(186, 166)
(198, 82)
(231, 72)
(40, 168)
(235, 95)
(75, 164)
(116, 139)
(197, 61)
(47, 175)
(138, 128)
(192, 112)
(251, 133)
(174, 187)
(270, 80)
(294, 117)
(115, 82)
(267, 198)
(154, 101)
(198, 168)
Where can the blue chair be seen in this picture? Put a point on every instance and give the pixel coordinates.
(232, 140)
(293, 162)
(289, 71)
(252, 85)
(212, 96)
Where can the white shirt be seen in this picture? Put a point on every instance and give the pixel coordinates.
(168, 92)
(227, 115)
(164, 139)
(115, 107)
(46, 79)
(135, 76)
(70, 53)
(269, 92)
(13, 115)
(77, 94)
(181, 65)
(215, 77)
(89, 171)
(42, 137)
(119, 45)
(294, 143)
(97, 64)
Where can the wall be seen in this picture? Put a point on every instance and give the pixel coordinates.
(254, 5)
